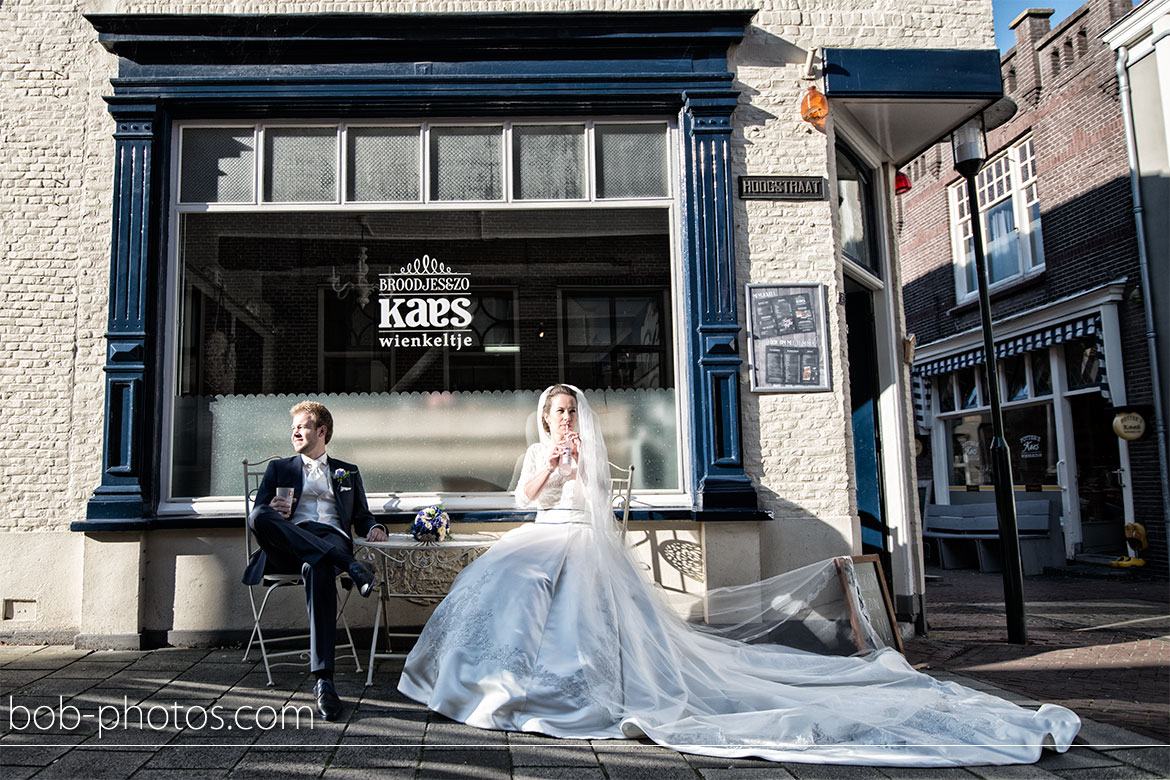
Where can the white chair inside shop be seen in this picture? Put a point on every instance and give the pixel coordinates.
(621, 484)
(277, 647)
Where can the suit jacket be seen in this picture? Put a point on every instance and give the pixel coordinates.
(349, 492)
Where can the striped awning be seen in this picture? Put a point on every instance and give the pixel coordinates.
(1040, 339)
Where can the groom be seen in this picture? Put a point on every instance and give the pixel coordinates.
(310, 535)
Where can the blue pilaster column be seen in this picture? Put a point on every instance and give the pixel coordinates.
(121, 493)
(710, 298)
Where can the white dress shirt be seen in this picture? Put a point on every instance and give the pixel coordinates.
(317, 500)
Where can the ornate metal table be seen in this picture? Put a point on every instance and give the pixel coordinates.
(399, 560)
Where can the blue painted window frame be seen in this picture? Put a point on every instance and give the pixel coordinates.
(174, 67)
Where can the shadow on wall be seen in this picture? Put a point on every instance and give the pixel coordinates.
(1088, 241)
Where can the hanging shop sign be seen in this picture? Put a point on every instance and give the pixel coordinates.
(788, 338)
(1129, 425)
(781, 188)
(425, 304)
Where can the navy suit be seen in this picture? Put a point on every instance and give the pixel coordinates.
(313, 550)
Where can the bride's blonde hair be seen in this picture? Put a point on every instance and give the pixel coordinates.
(549, 395)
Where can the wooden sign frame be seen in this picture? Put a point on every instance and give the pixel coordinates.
(877, 602)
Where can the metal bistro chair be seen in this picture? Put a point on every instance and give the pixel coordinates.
(253, 474)
(621, 483)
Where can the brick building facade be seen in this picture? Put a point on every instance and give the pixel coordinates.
(1068, 223)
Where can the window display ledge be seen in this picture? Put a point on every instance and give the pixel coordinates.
(184, 522)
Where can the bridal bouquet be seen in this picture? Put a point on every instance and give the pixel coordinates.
(431, 525)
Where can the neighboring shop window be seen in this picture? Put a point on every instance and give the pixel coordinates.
(855, 200)
(1010, 210)
(320, 268)
(1029, 422)
(1031, 439)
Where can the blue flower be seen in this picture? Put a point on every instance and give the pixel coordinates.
(431, 524)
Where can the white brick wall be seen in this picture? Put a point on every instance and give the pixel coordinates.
(55, 200)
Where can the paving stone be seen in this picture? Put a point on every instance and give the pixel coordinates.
(448, 733)
(18, 772)
(379, 773)
(1104, 736)
(210, 757)
(1013, 772)
(646, 765)
(14, 679)
(926, 773)
(177, 658)
(773, 772)
(311, 733)
(483, 764)
(50, 685)
(54, 657)
(548, 755)
(1153, 759)
(1075, 758)
(87, 667)
(826, 772)
(95, 764)
(558, 773)
(720, 762)
(1111, 773)
(376, 756)
(147, 773)
(34, 750)
(281, 764)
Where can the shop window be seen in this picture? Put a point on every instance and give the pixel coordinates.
(1083, 364)
(383, 164)
(217, 165)
(549, 162)
(946, 393)
(300, 165)
(1041, 372)
(1031, 433)
(968, 388)
(855, 199)
(615, 340)
(1015, 375)
(434, 393)
(467, 163)
(1010, 213)
(631, 161)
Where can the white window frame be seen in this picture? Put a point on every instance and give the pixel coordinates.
(381, 501)
(1010, 174)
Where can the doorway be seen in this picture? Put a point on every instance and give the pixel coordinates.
(863, 398)
(1098, 477)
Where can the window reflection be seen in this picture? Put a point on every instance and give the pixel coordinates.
(550, 295)
(968, 392)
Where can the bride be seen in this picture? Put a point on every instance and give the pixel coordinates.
(554, 630)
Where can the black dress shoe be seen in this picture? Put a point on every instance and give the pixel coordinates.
(328, 703)
(363, 576)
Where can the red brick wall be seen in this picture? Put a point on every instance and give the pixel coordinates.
(1064, 83)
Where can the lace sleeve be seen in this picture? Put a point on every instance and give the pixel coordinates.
(531, 466)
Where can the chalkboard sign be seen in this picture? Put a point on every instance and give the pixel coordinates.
(788, 338)
(872, 597)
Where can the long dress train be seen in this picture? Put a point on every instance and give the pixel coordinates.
(554, 630)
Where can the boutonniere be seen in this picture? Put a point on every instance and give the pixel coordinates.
(341, 475)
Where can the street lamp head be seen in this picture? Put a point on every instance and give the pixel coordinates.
(969, 146)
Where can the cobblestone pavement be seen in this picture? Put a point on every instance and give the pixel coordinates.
(1098, 646)
(51, 699)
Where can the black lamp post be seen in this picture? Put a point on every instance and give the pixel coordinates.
(969, 145)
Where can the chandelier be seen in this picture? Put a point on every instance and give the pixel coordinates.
(360, 284)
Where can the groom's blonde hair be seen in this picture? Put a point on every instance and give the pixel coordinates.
(318, 414)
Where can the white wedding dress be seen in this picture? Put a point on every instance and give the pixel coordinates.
(554, 630)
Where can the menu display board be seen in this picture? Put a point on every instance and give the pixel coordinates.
(788, 338)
